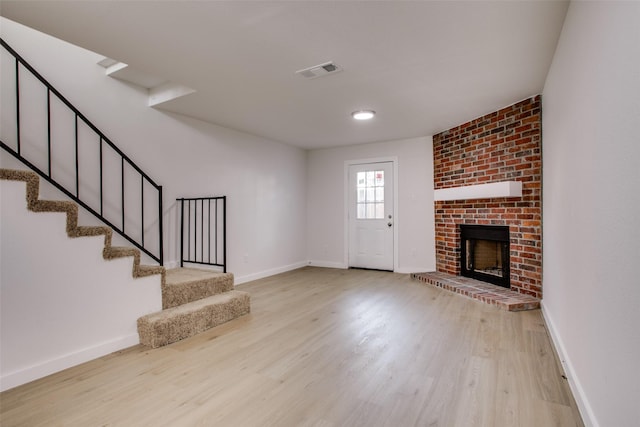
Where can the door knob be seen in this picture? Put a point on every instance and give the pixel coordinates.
(389, 224)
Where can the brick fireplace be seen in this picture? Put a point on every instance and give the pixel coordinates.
(501, 146)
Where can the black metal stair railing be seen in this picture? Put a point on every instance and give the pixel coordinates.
(92, 197)
(203, 231)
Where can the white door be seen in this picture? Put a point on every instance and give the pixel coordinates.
(371, 221)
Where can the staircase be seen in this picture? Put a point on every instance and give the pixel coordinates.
(192, 300)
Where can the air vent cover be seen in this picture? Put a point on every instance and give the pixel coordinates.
(319, 70)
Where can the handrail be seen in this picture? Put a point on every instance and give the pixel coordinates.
(104, 142)
(215, 252)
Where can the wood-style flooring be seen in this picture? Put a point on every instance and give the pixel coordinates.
(322, 347)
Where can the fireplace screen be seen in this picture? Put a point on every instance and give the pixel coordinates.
(484, 254)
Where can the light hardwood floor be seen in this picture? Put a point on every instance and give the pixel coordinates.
(322, 347)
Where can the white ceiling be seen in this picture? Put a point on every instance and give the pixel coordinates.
(424, 66)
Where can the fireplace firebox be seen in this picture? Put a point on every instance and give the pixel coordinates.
(484, 253)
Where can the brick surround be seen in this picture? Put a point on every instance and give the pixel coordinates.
(501, 146)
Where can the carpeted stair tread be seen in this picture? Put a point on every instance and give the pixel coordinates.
(184, 285)
(84, 231)
(120, 252)
(185, 275)
(148, 270)
(34, 204)
(177, 323)
(195, 300)
(54, 206)
(18, 175)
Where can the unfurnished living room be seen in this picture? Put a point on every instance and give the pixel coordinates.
(319, 213)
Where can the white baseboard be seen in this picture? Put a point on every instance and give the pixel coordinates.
(48, 367)
(266, 273)
(340, 265)
(327, 264)
(588, 417)
(409, 270)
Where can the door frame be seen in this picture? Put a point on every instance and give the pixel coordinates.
(347, 164)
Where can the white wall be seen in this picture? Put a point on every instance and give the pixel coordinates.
(591, 199)
(265, 181)
(415, 217)
(62, 304)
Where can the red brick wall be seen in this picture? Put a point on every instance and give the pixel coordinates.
(501, 146)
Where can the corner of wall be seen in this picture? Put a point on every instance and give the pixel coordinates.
(579, 395)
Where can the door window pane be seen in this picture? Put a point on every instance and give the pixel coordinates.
(361, 178)
(370, 182)
(370, 195)
(361, 195)
(379, 210)
(362, 211)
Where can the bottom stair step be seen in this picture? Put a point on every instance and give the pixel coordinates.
(184, 285)
(177, 323)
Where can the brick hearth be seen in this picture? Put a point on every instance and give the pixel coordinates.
(501, 146)
(485, 292)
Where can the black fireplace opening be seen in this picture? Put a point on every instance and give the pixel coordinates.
(484, 253)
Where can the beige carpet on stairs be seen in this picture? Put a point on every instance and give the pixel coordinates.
(34, 204)
(183, 321)
(193, 300)
(184, 285)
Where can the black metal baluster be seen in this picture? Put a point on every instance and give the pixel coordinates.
(189, 233)
(77, 160)
(195, 231)
(224, 232)
(160, 229)
(215, 258)
(142, 208)
(209, 239)
(181, 230)
(101, 186)
(49, 130)
(18, 105)
(202, 230)
(122, 192)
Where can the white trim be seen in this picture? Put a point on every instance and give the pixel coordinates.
(480, 191)
(396, 222)
(266, 273)
(327, 264)
(48, 367)
(588, 417)
(410, 270)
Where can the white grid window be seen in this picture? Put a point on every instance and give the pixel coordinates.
(370, 195)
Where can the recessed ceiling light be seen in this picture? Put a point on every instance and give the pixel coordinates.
(363, 114)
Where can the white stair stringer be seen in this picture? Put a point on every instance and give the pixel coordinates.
(61, 303)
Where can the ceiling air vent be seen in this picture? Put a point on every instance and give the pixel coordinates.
(319, 70)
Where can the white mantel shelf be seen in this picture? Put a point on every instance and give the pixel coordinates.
(480, 191)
